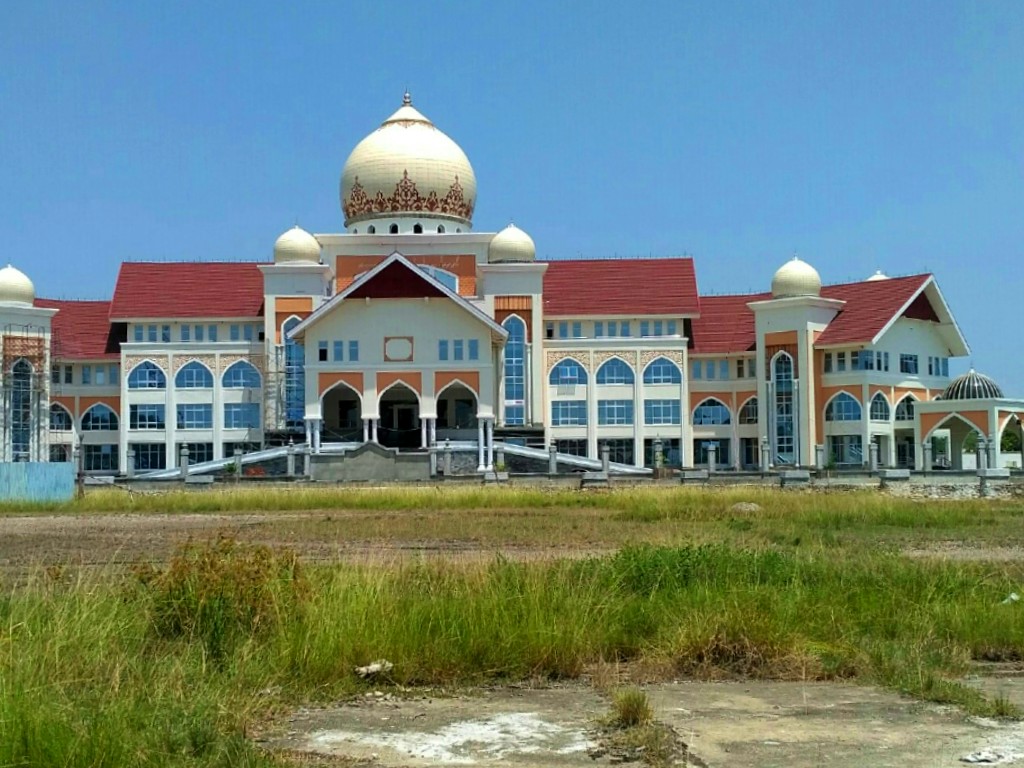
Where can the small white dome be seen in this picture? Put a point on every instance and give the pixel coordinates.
(796, 278)
(511, 244)
(15, 288)
(879, 275)
(296, 245)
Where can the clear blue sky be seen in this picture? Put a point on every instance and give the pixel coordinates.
(861, 135)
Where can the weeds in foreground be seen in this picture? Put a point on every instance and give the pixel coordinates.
(630, 708)
(166, 668)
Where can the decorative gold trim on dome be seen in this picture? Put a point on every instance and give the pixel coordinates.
(407, 199)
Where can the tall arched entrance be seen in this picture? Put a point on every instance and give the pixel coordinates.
(456, 413)
(343, 415)
(399, 425)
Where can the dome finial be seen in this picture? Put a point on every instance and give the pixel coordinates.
(406, 98)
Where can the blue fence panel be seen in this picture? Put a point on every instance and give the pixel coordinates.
(37, 481)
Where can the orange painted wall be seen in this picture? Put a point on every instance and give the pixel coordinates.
(470, 378)
(353, 378)
(728, 398)
(780, 338)
(464, 266)
(85, 403)
(930, 421)
(299, 306)
(413, 379)
(67, 401)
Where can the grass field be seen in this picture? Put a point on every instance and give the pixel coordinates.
(174, 663)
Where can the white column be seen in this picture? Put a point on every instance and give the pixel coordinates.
(423, 433)
(374, 429)
(317, 427)
(309, 432)
(480, 445)
(366, 430)
(490, 444)
(433, 431)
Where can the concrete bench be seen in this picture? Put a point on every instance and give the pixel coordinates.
(694, 476)
(794, 477)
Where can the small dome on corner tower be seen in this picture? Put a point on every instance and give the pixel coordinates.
(15, 288)
(511, 245)
(297, 246)
(796, 278)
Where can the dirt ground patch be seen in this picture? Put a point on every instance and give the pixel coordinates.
(762, 724)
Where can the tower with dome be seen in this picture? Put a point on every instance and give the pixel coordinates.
(415, 327)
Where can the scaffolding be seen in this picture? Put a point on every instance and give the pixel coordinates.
(25, 352)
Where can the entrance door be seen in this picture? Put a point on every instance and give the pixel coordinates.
(748, 445)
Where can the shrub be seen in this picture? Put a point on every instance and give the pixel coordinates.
(631, 709)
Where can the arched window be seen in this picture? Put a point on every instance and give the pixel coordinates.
(615, 371)
(371, 230)
(663, 371)
(147, 375)
(905, 409)
(393, 229)
(568, 372)
(21, 409)
(784, 412)
(417, 229)
(99, 417)
(879, 408)
(60, 419)
(712, 412)
(294, 377)
(241, 375)
(843, 407)
(194, 376)
(748, 413)
(515, 371)
(440, 229)
(355, 231)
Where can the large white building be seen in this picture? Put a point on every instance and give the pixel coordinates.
(410, 327)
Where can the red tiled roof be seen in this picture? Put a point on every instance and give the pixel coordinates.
(621, 287)
(188, 289)
(81, 330)
(726, 324)
(870, 305)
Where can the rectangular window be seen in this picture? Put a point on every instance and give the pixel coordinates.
(568, 413)
(698, 369)
(55, 374)
(149, 455)
(197, 452)
(657, 327)
(598, 330)
(195, 416)
(624, 328)
(614, 412)
(112, 375)
(101, 375)
(549, 330)
(146, 416)
(211, 332)
(662, 412)
(86, 375)
(234, 332)
(563, 329)
(613, 328)
(828, 362)
(186, 333)
(945, 365)
(100, 458)
(645, 328)
(671, 327)
(846, 450)
(577, 329)
(457, 349)
(908, 364)
(442, 349)
(619, 450)
(138, 333)
(840, 362)
(151, 333)
(165, 334)
(474, 349)
(723, 369)
(69, 372)
(248, 332)
(199, 333)
(353, 351)
(339, 351)
(321, 351)
(710, 369)
(241, 416)
(572, 447)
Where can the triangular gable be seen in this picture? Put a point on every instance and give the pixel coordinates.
(396, 278)
(928, 303)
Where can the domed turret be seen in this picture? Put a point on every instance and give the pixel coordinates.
(796, 278)
(16, 290)
(511, 245)
(972, 386)
(297, 246)
(407, 169)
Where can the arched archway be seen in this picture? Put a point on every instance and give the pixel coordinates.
(399, 425)
(784, 421)
(959, 430)
(342, 409)
(457, 405)
(20, 414)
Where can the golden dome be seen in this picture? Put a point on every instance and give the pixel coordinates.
(296, 245)
(511, 244)
(407, 167)
(796, 278)
(15, 288)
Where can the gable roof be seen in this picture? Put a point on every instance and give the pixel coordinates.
(726, 323)
(621, 287)
(187, 290)
(396, 278)
(81, 330)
